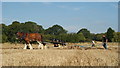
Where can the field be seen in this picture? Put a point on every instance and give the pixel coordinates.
(15, 55)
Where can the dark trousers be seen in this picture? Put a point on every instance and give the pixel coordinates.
(105, 45)
(93, 45)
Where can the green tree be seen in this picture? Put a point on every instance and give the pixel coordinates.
(55, 30)
(3, 28)
(4, 38)
(92, 36)
(98, 37)
(48, 37)
(116, 37)
(12, 30)
(3, 33)
(62, 37)
(9, 32)
(41, 29)
(0, 33)
(110, 34)
(86, 33)
(31, 27)
(73, 37)
(81, 37)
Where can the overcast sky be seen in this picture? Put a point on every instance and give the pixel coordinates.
(95, 16)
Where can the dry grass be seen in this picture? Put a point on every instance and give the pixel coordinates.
(14, 55)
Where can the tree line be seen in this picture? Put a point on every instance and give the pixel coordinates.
(55, 32)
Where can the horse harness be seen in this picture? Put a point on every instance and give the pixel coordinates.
(23, 36)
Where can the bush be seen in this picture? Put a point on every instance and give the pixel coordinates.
(4, 38)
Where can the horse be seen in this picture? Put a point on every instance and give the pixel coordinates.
(29, 37)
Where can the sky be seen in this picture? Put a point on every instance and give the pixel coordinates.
(97, 17)
(118, 17)
(60, 0)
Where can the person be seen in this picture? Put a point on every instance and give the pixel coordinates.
(93, 43)
(104, 41)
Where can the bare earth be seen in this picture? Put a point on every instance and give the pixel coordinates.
(14, 55)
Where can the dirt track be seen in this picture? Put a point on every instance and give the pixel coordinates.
(59, 57)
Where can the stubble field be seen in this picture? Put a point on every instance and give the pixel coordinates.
(15, 55)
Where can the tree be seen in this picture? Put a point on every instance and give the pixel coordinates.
(98, 37)
(75, 38)
(62, 37)
(3, 33)
(12, 30)
(48, 37)
(86, 33)
(72, 37)
(0, 33)
(92, 36)
(116, 37)
(27, 27)
(4, 38)
(55, 30)
(81, 37)
(41, 29)
(31, 27)
(110, 34)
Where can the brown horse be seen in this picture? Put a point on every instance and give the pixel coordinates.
(29, 37)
